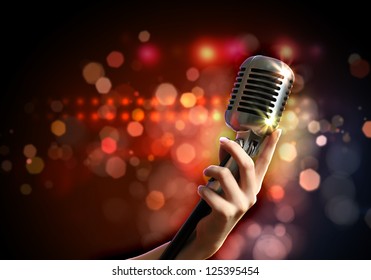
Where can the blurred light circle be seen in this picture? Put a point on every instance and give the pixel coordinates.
(342, 210)
(115, 167)
(269, 247)
(343, 159)
(166, 94)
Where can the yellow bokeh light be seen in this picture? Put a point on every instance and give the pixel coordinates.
(188, 99)
(286, 52)
(287, 152)
(58, 128)
(314, 127)
(289, 120)
(137, 114)
(207, 53)
(25, 189)
(35, 165)
(216, 115)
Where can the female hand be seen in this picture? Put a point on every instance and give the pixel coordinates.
(236, 199)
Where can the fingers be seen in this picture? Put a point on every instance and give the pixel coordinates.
(214, 200)
(226, 180)
(243, 194)
(263, 160)
(245, 165)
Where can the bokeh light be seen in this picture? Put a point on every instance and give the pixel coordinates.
(192, 74)
(115, 59)
(359, 67)
(309, 179)
(58, 128)
(29, 151)
(92, 72)
(287, 152)
(342, 210)
(166, 94)
(321, 140)
(207, 53)
(155, 200)
(108, 145)
(103, 85)
(138, 114)
(185, 153)
(135, 129)
(26, 189)
(269, 247)
(144, 36)
(313, 127)
(148, 54)
(115, 167)
(285, 214)
(198, 115)
(276, 193)
(188, 99)
(35, 165)
(56, 106)
(6, 165)
(366, 129)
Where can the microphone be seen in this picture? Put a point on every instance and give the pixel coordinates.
(257, 101)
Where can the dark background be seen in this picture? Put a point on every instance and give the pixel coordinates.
(30, 33)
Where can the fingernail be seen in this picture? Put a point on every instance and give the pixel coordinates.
(199, 189)
(223, 139)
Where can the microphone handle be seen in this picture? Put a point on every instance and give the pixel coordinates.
(250, 142)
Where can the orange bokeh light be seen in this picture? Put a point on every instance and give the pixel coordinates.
(155, 200)
(276, 193)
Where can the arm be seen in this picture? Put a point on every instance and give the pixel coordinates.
(227, 209)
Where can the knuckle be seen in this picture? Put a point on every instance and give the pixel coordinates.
(224, 172)
(248, 163)
(227, 214)
(242, 208)
(252, 201)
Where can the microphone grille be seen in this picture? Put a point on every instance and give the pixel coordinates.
(261, 90)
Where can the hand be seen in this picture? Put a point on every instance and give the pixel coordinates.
(236, 200)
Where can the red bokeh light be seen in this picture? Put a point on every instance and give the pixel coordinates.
(148, 54)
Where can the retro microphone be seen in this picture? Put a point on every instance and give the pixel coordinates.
(257, 102)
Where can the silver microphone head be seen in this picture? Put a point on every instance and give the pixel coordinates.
(259, 95)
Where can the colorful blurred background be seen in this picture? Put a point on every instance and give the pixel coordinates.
(110, 112)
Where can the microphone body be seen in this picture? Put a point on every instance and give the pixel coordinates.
(257, 102)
